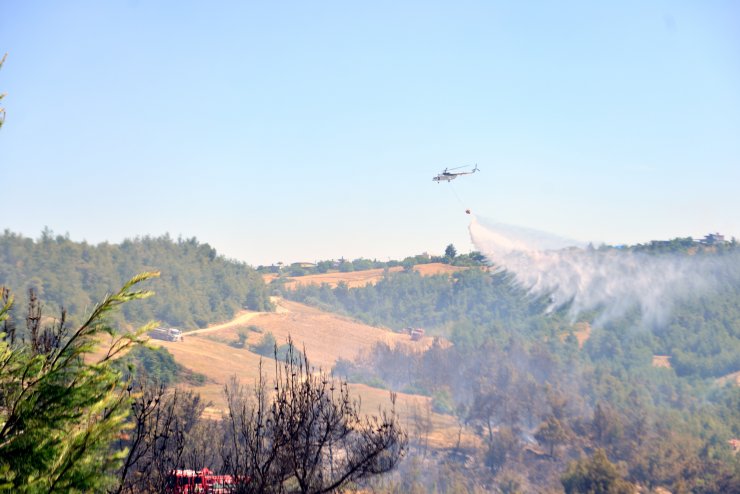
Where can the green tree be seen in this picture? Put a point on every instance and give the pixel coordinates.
(552, 433)
(198, 286)
(607, 429)
(503, 446)
(155, 363)
(595, 475)
(241, 339)
(450, 252)
(266, 345)
(346, 266)
(62, 402)
(324, 266)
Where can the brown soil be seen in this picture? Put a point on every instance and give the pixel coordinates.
(436, 268)
(269, 277)
(582, 332)
(662, 361)
(241, 319)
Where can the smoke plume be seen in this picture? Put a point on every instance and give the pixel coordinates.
(612, 281)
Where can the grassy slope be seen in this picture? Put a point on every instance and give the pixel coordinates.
(326, 337)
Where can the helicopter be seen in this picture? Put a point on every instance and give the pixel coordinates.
(448, 176)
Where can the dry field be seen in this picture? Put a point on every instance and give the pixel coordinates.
(582, 332)
(729, 378)
(356, 279)
(662, 361)
(326, 337)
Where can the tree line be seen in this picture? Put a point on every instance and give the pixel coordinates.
(342, 265)
(197, 285)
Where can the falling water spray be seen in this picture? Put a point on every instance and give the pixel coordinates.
(610, 280)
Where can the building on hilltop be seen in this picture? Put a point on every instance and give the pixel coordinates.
(713, 239)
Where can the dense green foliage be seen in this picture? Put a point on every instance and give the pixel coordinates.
(595, 475)
(701, 334)
(197, 287)
(159, 366)
(266, 345)
(408, 299)
(61, 406)
(516, 376)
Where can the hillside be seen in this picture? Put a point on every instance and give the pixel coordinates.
(324, 336)
(541, 389)
(522, 388)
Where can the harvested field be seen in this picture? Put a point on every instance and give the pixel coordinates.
(729, 378)
(436, 268)
(269, 277)
(582, 332)
(353, 279)
(356, 279)
(325, 337)
(662, 361)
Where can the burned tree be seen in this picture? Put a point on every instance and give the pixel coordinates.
(8, 324)
(303, 433)
(164, 425)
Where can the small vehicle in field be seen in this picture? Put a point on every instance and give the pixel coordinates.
(166, 334)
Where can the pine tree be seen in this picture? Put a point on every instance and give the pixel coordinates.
(552, 433)
(595, 475)
(62, 403)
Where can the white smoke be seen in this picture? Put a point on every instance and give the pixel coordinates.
(611, 280)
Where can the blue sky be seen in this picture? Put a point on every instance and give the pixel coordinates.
(287, 131)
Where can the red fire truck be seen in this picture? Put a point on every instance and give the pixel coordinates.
(200, 482)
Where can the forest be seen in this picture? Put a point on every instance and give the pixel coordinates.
(554, 403)
(540, 399)
(197, 286)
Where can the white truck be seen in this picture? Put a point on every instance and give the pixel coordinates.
(167, 334)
